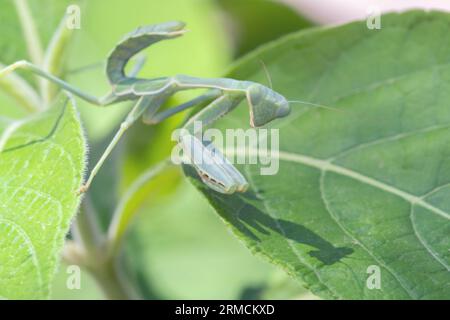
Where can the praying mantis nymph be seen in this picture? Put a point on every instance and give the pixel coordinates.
(223, 95)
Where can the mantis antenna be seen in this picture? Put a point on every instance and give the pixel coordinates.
(266, 72)
(315, 105)
(84, 68)
(269, 80)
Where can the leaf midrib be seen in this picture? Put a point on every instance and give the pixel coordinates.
(326, 166)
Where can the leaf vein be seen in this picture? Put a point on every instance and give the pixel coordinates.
(358, 242)
(423, 242)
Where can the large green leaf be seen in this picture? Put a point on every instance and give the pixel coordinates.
(366, 186)
(41, 165)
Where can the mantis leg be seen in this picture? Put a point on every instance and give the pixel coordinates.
(22, 64)
(212, 166)
(143, 103)
(138, 65)
(150, 118)
(214, 111)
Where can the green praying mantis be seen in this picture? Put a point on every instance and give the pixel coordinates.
(222, 96)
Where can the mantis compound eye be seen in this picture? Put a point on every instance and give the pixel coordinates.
(283, 109)
(265, 105)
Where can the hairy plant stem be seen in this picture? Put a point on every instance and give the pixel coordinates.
(105, 268)
(86, 231)
(108, 275)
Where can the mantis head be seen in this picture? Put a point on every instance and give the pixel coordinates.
(265, 105)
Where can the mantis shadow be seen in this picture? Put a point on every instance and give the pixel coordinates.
(256, 224)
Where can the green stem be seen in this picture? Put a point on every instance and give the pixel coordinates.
(54, 57)
(21, 91)
(96, 259)
(101, 253)
(32, 39)
(109, 277)
(86, 230)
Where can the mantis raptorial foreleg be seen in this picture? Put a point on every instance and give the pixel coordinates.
(214, 111)
(146, 105)
(150, 118)
(212, 166)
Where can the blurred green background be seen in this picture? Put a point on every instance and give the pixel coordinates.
(177, 248)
